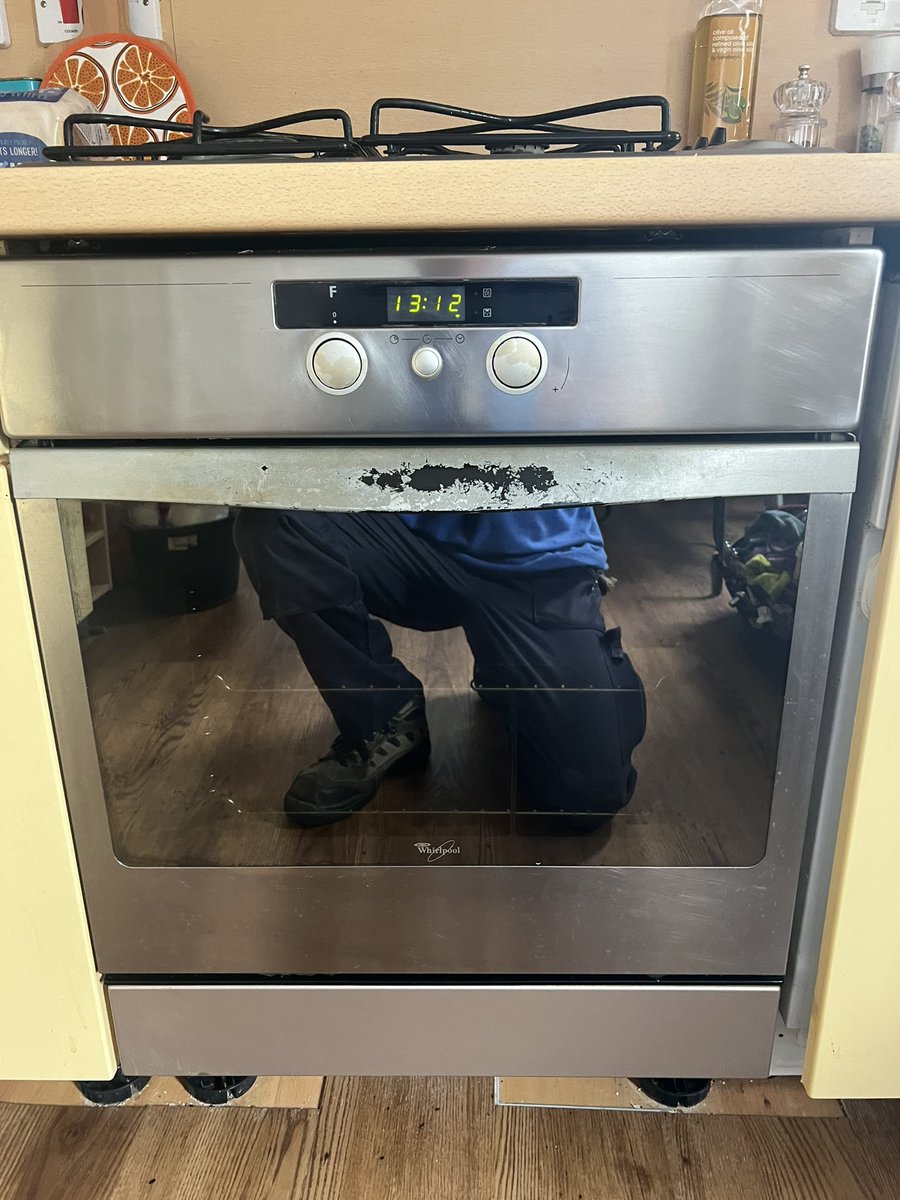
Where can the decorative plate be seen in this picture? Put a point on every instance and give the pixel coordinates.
(125, 76)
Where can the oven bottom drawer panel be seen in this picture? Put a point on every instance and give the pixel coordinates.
(613, 1030)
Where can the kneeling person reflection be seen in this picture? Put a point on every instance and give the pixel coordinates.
(526, 589)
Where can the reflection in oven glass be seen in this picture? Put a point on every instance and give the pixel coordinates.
(549, 687)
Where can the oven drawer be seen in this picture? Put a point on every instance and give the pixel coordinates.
(646, 1030)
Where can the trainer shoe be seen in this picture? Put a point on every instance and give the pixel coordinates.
(350, 774)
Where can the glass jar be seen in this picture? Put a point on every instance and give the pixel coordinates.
(880, 59)
(871, 125)
(891, 144)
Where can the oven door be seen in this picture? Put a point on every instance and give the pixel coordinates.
(619, 776)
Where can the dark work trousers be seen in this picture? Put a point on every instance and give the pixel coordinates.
(572, 702)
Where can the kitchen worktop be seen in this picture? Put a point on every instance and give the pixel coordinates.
(568, 193)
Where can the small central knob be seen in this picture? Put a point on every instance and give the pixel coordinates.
(427, 362)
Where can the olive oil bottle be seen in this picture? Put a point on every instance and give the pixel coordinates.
(726, 64)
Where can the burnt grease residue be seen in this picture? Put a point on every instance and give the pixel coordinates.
(501, 480)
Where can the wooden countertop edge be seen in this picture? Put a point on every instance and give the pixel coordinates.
(466, 194)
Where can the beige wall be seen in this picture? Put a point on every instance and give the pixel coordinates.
(271, 56)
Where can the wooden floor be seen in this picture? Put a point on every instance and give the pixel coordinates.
(203, 721)
(439, 1139)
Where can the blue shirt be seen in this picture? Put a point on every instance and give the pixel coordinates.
(548, 539)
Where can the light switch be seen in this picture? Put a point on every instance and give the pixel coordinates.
(58, 20)
(145, 19)
(4, 26)
(865, 16)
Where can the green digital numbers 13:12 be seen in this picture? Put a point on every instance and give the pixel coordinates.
(432, 306)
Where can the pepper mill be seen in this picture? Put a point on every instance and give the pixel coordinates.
(800, 103)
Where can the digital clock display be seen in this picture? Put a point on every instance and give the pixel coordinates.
(441, 303)
(426, 305)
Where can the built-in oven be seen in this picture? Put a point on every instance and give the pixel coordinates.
(479, 768)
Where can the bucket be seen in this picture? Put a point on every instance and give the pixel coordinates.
(187, 568)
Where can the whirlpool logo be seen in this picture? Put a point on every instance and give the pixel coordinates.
(436, 853)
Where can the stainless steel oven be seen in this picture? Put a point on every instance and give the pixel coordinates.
(494, 908)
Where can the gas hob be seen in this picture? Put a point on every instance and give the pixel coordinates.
(327, 133)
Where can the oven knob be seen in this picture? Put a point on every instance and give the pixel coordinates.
(516, 362)
(336, 363)
(427, 362)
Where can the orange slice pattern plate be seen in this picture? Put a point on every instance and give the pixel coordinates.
(125, 77)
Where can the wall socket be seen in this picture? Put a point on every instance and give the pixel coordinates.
(865, 16)
(145, 19)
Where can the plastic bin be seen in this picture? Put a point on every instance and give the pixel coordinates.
(187, 568)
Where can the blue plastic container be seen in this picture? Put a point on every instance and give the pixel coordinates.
(20, 85)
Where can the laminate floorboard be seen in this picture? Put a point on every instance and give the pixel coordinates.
(202, 722)
(442, 1139)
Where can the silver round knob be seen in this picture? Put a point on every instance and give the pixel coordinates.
(517, 362)
(427, 362)
(336, 363)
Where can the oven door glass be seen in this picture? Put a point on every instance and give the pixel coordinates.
(572, 686)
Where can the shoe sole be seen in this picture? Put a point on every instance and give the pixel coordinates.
(313, 818)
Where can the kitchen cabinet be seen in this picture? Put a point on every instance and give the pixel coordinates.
(53, 1018)
(854, 1048)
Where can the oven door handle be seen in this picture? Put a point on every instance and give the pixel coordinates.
(435, 477)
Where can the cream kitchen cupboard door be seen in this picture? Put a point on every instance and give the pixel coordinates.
(53, 1017)
(854, 1048)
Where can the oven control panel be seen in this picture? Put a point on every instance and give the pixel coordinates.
(424, 344)
(427, 320)
(516, 362)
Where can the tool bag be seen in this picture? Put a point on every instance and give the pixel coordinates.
(761, 570)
